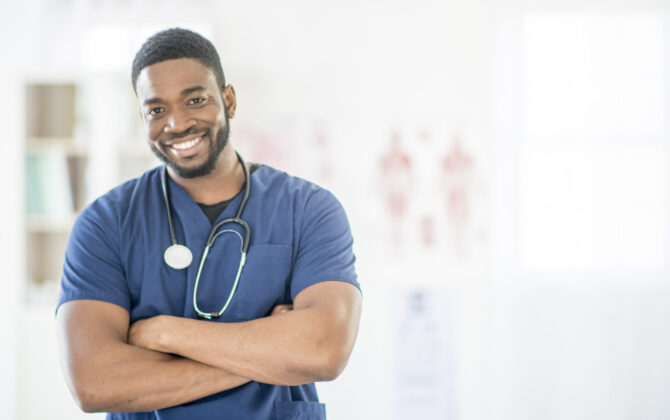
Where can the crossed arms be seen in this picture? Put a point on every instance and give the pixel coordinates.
(165, 361)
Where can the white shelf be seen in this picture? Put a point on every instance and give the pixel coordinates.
(71, 147)
(49, 224)
(70, 151)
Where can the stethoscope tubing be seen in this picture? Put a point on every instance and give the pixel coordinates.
(166, 198)
(214, 232)
(243, 259)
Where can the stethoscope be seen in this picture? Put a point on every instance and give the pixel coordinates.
(179, 256)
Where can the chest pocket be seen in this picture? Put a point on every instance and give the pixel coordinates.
(263, 284)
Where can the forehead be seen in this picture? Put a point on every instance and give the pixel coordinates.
(170, 77)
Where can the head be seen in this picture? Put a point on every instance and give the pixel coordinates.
(185, 104)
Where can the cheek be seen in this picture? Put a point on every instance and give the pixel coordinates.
(213, 112)
(153, 130)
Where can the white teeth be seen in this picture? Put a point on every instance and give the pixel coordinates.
(187, 144)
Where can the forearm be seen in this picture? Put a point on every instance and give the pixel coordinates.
(129, 378)
(308, 344)
(275, 350)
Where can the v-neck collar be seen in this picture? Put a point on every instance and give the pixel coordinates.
(194, 221)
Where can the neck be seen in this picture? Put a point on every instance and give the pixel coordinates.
(223, 183)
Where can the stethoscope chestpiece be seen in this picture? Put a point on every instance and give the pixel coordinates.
(178, 256)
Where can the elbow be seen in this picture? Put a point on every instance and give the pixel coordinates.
(325, 353)
(91, 396)
(96, 386)
(87, 401)
(87, 407)
(331, 364)
(322, 366)
(335, 366)
(332, 355)
(92, 402)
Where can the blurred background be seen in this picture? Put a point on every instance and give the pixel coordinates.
(504, 166)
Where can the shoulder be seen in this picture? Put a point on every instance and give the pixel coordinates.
(311, 206)
(291, 188)
(117, 203)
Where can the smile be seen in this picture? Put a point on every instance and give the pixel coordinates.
(187, 144)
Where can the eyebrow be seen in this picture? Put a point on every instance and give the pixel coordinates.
(185, 92)
(193, 89)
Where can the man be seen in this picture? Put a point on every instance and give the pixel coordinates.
(134, 329)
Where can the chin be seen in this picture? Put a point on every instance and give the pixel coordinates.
(194, 171)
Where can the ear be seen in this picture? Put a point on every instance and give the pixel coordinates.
(228, 94)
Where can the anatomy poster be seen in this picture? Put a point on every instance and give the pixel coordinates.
(458, 184)
(429, 195)
(307, 149)
(413, 192)
(395, 189)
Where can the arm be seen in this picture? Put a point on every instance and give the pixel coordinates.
(310, 343)
(105, 373)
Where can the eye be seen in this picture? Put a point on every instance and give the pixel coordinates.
(154, 111)
(196, 101)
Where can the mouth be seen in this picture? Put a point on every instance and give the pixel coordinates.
(188, 146)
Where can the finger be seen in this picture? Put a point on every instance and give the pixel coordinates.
(280, 309)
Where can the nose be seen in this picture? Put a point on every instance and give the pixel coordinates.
(178, 122)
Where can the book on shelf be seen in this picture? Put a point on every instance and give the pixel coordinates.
(50, 109)
(51, 191)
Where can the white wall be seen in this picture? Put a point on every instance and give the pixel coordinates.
(556, 344)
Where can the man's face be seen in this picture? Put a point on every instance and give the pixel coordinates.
(184, 114)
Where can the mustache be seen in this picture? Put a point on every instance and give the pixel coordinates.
(189, 132)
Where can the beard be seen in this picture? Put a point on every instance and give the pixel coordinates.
(216, 146)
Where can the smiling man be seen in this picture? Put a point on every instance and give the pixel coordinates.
(206, 288)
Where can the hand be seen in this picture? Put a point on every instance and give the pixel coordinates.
(281, 309)
(148, 332)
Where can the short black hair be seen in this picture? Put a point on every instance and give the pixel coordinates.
(176, 43)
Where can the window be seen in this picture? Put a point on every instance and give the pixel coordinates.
(593, 158)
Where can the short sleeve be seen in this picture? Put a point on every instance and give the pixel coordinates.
(324, 244)
(92, 267)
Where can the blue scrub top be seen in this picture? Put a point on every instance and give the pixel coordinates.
(299, 236)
